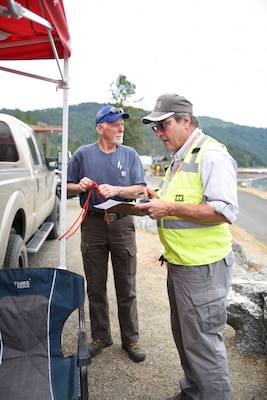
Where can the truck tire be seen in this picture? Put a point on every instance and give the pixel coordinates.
(55, 218)
(16, 254)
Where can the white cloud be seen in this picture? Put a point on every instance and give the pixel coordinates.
(213, 52)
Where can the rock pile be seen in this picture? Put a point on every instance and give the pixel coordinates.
(247, 307)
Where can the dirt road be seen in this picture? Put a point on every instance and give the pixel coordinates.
(112, 376)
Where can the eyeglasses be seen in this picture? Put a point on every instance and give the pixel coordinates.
(112, 110)
(161, 126)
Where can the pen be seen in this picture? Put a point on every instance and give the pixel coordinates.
(138, 193)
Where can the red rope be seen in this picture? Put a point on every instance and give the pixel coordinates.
(82, 214)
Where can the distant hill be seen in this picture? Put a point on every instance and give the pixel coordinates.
(248, 145)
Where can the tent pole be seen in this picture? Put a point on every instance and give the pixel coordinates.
(63, 206)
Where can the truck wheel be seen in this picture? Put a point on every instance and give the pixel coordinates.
(55, 218)
(16, 254)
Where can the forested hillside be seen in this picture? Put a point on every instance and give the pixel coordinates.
(248, 145)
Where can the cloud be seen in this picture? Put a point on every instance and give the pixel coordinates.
(212, 52)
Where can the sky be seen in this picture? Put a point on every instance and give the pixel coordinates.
(213, 52)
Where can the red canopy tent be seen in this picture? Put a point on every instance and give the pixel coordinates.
(38, 30)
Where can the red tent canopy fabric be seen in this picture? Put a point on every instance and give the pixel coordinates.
(22, 38)
(38, 30)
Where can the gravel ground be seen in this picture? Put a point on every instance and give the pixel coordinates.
(112, 375)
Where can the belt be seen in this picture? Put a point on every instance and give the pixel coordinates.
(110, 216)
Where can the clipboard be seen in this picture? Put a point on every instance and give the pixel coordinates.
(120, 207)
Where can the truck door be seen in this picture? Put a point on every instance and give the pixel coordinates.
(48, 175)
(39, 171)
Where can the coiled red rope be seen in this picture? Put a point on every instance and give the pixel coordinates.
(81, 217)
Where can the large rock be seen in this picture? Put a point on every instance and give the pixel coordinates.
(247, 312)
(146, 223)
(241, 263)
(247, 306)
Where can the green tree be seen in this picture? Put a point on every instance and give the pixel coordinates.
(122, 92)
(28, 117)
(74, 146)
(19, 114)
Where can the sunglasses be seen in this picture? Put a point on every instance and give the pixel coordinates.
(112, 110)
(161, 126)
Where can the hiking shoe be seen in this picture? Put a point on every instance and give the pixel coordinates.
(179, 396)
(135, 353)
(97, 345)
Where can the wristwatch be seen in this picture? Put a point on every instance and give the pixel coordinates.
(120, 191)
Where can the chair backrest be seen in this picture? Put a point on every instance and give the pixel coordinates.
(34, 305)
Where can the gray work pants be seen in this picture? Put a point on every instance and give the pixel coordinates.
(197, 298)
(98, 241)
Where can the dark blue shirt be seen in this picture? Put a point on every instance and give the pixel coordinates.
(123, 167)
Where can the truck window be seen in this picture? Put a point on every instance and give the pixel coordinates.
(8, 150)
(39, 146)
(28, 136)
(35, 146)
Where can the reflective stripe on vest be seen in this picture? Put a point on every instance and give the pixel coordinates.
(181, 224)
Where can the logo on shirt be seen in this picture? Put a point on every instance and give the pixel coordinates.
(120, 169)
(179, 198)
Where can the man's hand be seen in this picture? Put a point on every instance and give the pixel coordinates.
(80, 187)
(146, 193)
(155, 208)
(85, 183)
(108, 191)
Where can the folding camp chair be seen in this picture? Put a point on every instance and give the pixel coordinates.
(34, 305)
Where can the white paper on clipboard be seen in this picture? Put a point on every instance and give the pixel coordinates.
(120, 207)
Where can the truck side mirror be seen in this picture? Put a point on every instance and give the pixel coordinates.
(59, 159)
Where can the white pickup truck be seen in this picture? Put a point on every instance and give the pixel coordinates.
(29, 205)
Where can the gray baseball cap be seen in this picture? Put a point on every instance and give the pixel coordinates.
(166, 106)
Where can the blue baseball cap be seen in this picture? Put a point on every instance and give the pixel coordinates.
(110, 114)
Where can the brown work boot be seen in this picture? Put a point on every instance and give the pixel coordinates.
(135, 353)
(97, 345)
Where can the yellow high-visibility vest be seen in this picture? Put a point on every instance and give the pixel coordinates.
(186, 242)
